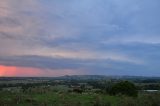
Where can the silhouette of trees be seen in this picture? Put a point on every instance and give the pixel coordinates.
(124, 88)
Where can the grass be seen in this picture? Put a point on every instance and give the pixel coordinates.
(58, 96)
(55, 99)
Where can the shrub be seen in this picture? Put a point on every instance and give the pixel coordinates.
(127, 101)
(124, 88)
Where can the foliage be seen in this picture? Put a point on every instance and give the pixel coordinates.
(142, 100)
(71, 92)
(124, 88)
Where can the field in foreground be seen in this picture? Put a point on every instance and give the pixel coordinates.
(57, 99)
(75, 99)
(79, 92)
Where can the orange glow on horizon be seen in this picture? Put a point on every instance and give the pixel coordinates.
(13, 71)
(4, 70)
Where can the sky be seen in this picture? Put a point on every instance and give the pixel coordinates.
(79, 37)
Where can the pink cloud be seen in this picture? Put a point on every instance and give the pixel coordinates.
(13, 71)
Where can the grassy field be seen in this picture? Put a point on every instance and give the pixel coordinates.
(56, 99)
(59, 98)
(78, 93)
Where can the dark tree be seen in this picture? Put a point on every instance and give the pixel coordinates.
(124, 88)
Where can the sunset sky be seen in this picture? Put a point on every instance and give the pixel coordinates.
(69, 37)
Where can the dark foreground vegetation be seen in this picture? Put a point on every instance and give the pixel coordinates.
(80, 91)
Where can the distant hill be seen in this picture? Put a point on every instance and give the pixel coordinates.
(87, 77)
(104, 77)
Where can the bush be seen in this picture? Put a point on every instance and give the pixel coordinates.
(127, 101)
(149, 100)
(142, 100)
(77, 90)
(124, 88)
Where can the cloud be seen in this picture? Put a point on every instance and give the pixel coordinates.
(80, 35)
(12, 71)
(53, 63)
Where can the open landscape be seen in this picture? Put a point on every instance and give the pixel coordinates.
(87, 90)
(79, 52)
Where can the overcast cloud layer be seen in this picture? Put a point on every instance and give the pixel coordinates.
(108, 37)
